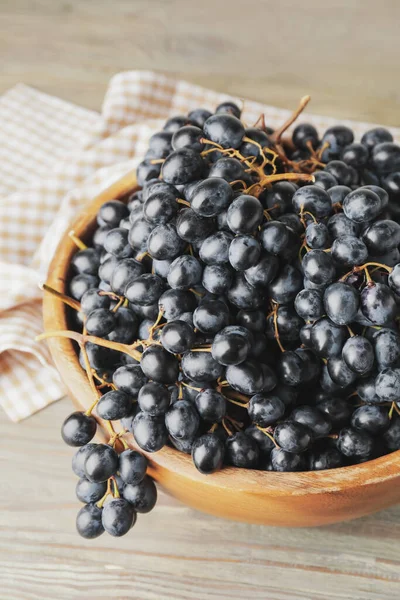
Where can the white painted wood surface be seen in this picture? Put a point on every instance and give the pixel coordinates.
(172, 553)
(345, 54)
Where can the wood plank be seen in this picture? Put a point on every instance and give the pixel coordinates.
(345, 54)
(174, 552)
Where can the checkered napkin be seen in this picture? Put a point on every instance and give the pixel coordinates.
(55, 157)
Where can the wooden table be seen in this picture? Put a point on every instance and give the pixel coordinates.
(173, 553)
(346, 55)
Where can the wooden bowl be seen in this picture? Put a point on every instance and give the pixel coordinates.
(268, 498)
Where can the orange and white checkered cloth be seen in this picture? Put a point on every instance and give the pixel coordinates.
(54, 157)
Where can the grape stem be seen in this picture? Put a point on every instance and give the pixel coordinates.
(110, 428)
(63, 297)
(103, 381)
(276, 136)
(302, 247)
(374, 264)
(118, 305)
(77, 241)
(112, 295)
(155, 324)
(321, 150)
(239, 396)
(100, 503)
(264, 180)
(238, 181)
(116, 493)
(184, 202)
(116, 436)
(311, 149)
(305, 212)
(235, 402)
(213, 428)
(222, 384)
(89, 374)
(130, 350)
(364, 267)
(269, 435)
(393, 408)
(195, 292)
(261, 120)
(307, 177)
(236, 424)
(141, 256)
(224, 425)
(276, 330)
(201, 349)
(191, 387)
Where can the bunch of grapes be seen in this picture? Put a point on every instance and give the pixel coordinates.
(241, 306)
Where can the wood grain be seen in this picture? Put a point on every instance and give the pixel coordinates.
(345, 54)
(173, 553)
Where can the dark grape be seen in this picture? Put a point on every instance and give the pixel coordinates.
(208, 453)
(231, 345)
(355, 442)
(387, 384)
(264, 410)
(211, 405)
(101, 463)
(118, 517)
(241, 451)
(313, 418)
(150, 432)
(211, 196)
(78, 429)
(182, 166)
(88, 491)
(89, 521)
(224, 129)
(132, 466)
(313, 199)
(292, 436)
(282, 460)
(160, 365)
(247, 378)
(182, 420)
(129, 379)
(142, 496)
(385, 157)
(374, 419)
(320, 460)
(362, 205)
(358, 354)
(244, 214)
(114, 405)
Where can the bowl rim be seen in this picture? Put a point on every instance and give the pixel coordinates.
(169, 459)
